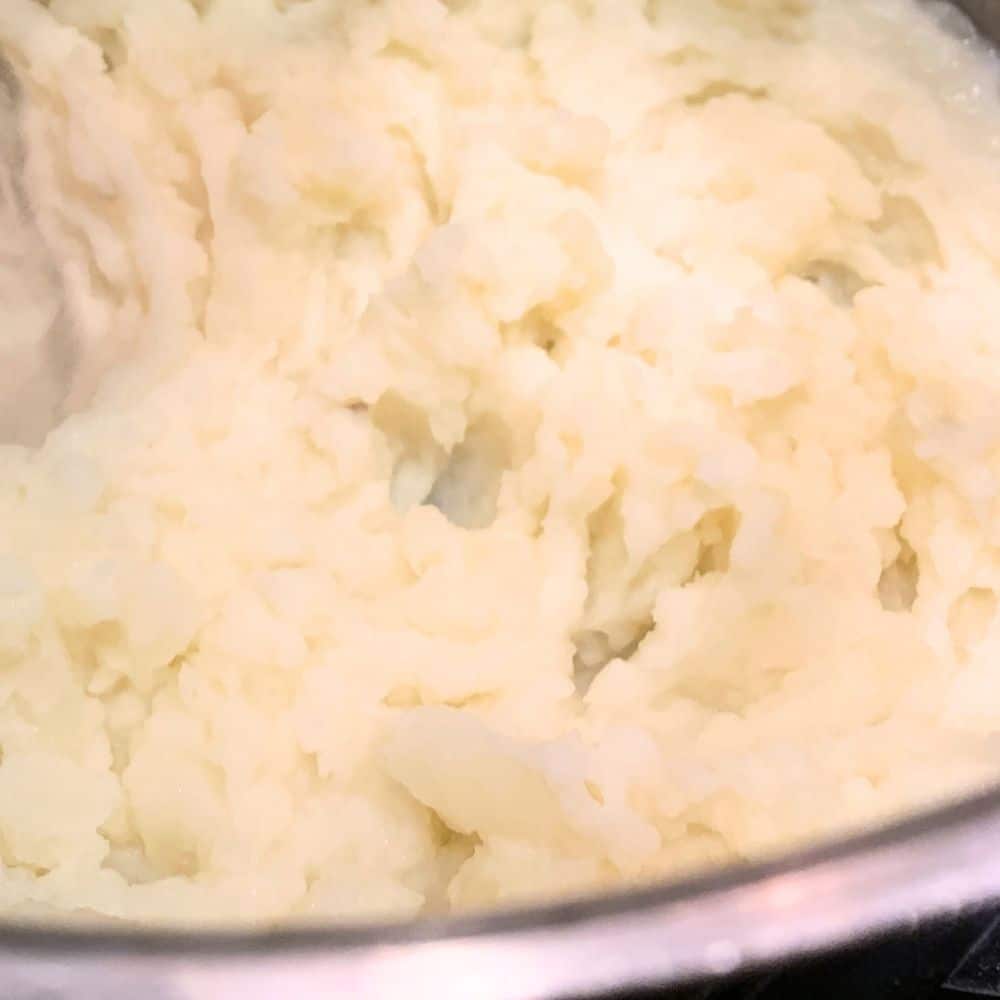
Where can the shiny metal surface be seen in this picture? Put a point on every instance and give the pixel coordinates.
(935, 863)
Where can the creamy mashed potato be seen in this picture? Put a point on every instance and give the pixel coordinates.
(536, 447)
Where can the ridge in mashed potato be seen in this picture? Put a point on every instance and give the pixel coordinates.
(511, 449)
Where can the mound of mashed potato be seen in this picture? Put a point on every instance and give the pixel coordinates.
(516, 448)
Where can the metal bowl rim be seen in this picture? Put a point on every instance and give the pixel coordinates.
(44, 940)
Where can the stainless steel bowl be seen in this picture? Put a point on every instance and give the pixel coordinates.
(736, 920)
(936, 863)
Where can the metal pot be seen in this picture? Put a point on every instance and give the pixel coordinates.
(939, 862)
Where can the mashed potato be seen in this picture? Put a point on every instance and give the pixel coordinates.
(537, 446)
